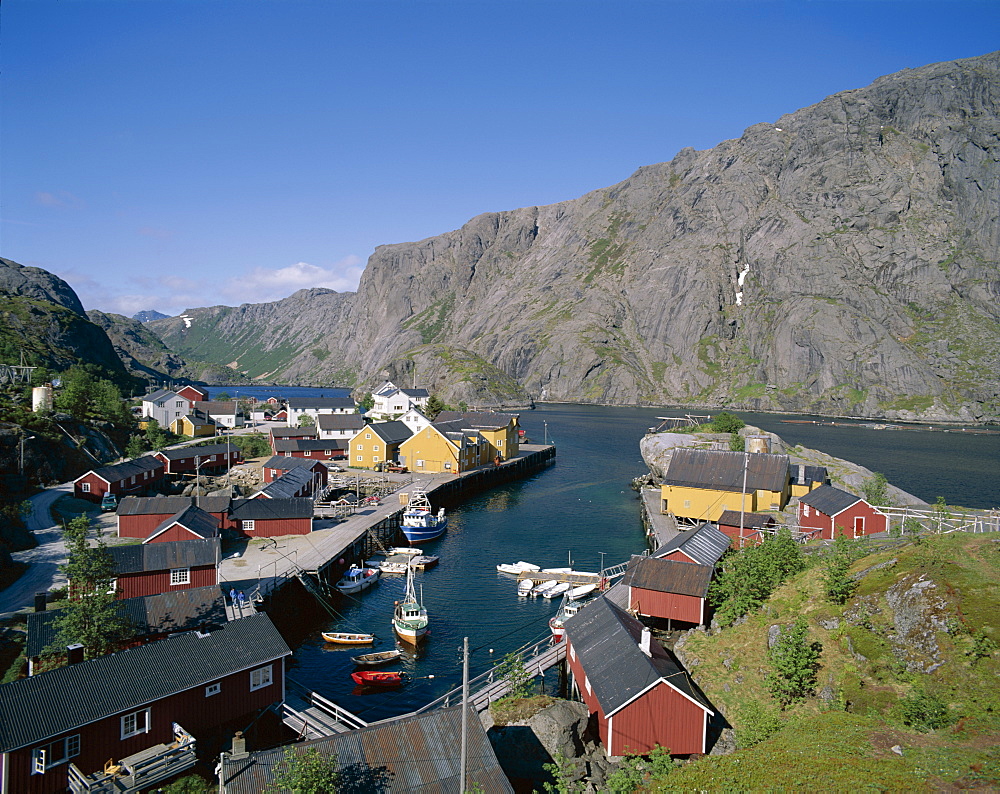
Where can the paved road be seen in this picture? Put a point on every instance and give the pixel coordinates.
(44, 560)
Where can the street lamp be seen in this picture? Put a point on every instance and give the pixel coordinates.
(23, 439)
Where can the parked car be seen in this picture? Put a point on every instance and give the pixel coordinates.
(335, 467)
(109, 503)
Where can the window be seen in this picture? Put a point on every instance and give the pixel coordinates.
(447, 465)
(54, 753)
(112, 585)
(248, 526)
(179, 404)
(135, 723)
(360, 458)
(687, 503)
(499, 442)
(360, 447)
(375, 459)
(85, 487)
(307, 453)
(213, 689)
(368, 436)
(420, 464)
(260, 678)
(805, 510)
(374, 447)
(180, 576)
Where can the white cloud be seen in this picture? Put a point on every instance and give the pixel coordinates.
(62, 199)
(262, 285)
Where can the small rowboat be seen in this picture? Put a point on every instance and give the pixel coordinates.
(423, 562)
(524, 587)
(558, 590)
(581, 592)
(376, 678)
(372, 659)
(348, 638)
(409, 552)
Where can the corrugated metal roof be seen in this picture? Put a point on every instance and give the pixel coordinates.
(302, 403)
(723, 471)
(129, 468)
(287, 463)
(420, 753)
(340, 421)
(262, 509)
(288, 484)
(391, 432)
(669, 576)
(829, 500)
(310, 444)
(201, 452)
(705, 544)
(164, 556)
(57, 701)
(731, 518)
(606, 640)
(191, 518)
(802, 474)
(308, 431)
(180, 610)
(152, 505)
(477, 420)
(159, 395)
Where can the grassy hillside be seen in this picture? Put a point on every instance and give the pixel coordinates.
(913, 648)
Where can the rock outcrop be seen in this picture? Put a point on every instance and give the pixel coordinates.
(841, 260)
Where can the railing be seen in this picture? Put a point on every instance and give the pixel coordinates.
(140, 771)
(328, 707)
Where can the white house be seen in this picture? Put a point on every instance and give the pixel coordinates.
(317, 407)
(165, 406)
(415, 420)
(392, 402)
(336, 426)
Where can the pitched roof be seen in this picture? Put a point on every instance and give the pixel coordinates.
(390, 432)
(164, 556)
(287, 462)
(307, 431)
(340, 421)
(196, 451)
(199, 421)
(309, 444)
(419, 753)
(180, 610)
(829, 500)
(193, 519)
(723, 471)
(288, 484)
(214, 504)
(668, 576)
(304, 403)
(479, 420)
(802, 474)
(415, 393)
(210, 407)
(731, 518)
(51, 703)
(606, 640)
(704, 544)
(263, 509)
(152, 505)
(161, 394)
(129, 468)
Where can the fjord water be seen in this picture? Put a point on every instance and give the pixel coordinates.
(581, 506)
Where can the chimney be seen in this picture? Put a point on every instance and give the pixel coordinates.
(41, 599)
(647, 635)
(74, 653)
(239, 746)
(802, 474)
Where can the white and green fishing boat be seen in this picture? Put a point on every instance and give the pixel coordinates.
(409, 620)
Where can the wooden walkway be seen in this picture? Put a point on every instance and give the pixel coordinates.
(312, 716)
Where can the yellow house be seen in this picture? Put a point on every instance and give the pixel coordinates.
(499, 431)
(377, 443)
(194, 426)
(444, 448)
(807, 478)
(699, 484)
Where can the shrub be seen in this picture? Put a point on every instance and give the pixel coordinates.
(923, 712)
(757, 724)
(726, 422)
(794, 663)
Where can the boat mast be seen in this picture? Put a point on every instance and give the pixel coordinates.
(465, 712)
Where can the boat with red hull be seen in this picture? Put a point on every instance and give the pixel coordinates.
(379, 678)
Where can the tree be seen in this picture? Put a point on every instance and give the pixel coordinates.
(794, 662)
(136, 446)
(517, 676)
(435, 405)
(306, 420)
(366, 403)
(223, 396)
(876, 490)
(737, 443)
(91, 617)
(726, 422)
(839, 584)
(156, 435)
(306, 772)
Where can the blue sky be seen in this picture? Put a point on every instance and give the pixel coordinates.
(168, 154)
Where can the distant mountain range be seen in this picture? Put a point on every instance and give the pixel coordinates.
(149, 315)
(840, 260)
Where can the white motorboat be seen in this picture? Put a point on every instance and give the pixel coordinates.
(419, 521)
(582, 591)
(399, 565)
(517, 568)
(557, 623)
(557, 570)
(542, 588)
(357, 579)
(524, 587)
(409, 552)
(558, 590)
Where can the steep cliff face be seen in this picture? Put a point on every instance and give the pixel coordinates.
(840, 260)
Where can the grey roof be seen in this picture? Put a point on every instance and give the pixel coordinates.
(129, 468)
(704, 544)
(288, 484)
(416, 393)
(161, 394)
(309, 431)
(199, 421)
(164, 556)
(419, 753)
(606, 640)
(304, 403)
(201, 452)
(391, 432)
(152, 505)
(210, 407)
(477, 419)
(731, 518)
(829, 500)
(191, 518)
(69, 697)
(668, 576)
(179, 610)
(802, 474)
(263, 509)
(340, 421)
(214, 504)
(287, 462)
(723, 471)
(309, 444)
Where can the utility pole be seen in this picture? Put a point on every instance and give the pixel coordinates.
(743, 496)
(465, 714)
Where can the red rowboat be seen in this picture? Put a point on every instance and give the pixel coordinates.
(378, 678)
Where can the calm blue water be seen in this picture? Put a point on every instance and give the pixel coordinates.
(581, 506)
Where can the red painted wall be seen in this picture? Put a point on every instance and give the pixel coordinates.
(175, 532)
(843, 523)
(273, 528)
(102, 740)
(662, 716)
(187, 465)
(270, 475)
(666, 605)
(155, 582)
(589, 698)
(140, 526)
(679, 556)
(98, 487)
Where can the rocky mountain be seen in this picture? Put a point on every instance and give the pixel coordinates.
(841, 259)
(42, 322)
(148, 315)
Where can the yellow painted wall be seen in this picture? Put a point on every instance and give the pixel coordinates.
(434, 450)
(367, 449)
(802, 490)
(502, 442)
(702, 504)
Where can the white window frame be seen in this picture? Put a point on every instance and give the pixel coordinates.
(307, 453)
(420, 464)
(361, 458)
(368, 436)
(113, 585)
(247, 525)
(43, 758)
(261, 677)
(85, 487)
(374, 447)
(130, 723)
(180, 576)
(805, 510)
(360, 447)
(213, 689)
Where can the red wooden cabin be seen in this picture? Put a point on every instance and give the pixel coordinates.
(668, 589)
(704, 544)
(120, 479)
(150, 568)
(638, 692)
(204, 460)
(748, 529)
(314, 448)
(191, 523)
(138, 516)
(276, 466)
(193, 393)
(830, 512)
(68, 723)
(269, 518)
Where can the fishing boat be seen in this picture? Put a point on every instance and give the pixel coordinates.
(357, 579)
(557, 622)
(372, 659)
(558, 590)
(409, 619)
(517, 568)
(582, 591)
(419, 523)
(348, 638)
(423, 562)
(378, 678)
(524, 587)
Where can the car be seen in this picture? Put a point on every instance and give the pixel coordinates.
(109, 503)
(335, 467)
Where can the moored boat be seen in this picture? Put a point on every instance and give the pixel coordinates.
(557, 622)
(582, 591)
(524, 587)
(517, 568)
(372, 659)
(357, 579)
(379, 678)
(398, 564)
(423, 562)
(542, 588)
(558, 590)
(419, 523)
(406, 550)
(409, 618)
(348, 638)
